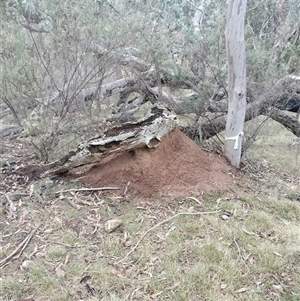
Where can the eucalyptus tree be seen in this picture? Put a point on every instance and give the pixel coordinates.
(236, 60)
(72, 65)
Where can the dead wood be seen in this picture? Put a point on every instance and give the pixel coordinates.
(21, 247)
(214, 126)
(145, 132)
(10, 130)
(88, 189)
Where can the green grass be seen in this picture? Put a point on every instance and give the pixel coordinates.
(254, 254)
(273, 146)
(205, 257)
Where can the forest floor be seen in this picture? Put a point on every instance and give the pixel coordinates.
(173, 223)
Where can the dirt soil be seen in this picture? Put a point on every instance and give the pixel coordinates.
(177, 167)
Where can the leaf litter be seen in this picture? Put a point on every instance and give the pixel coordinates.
(136, 259)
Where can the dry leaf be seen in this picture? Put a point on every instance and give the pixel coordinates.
(67, 259)
(278, 287)
(59, 272)
(31, 191)
(251, 260)
(128, 243)
(175, 285)
(155, 295)
(242, 290)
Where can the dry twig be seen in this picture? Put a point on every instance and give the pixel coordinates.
(21, 247)
(72, 204)
(239, 250)
(163, 222)
(248, 232)
(194, 199)
(126, 189)
(88, 189)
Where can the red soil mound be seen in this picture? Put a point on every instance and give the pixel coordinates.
(177, 167)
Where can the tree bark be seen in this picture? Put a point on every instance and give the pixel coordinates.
(236, 59)
(145, 132)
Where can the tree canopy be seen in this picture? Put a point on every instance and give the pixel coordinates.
(99, 61)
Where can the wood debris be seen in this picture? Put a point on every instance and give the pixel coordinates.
(18, 251)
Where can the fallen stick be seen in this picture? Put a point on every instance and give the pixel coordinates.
(21, 247)
(72, 204)
(194, 199)
(163, 222)
(88, 189)
(240, 254)
(126, 188)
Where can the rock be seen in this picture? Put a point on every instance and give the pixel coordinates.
(26, 264)
(112, 225)
(224, 217)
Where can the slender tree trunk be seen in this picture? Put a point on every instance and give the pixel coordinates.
(236, 59)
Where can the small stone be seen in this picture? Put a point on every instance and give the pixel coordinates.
(127, 243)
(224, 217)
(26, 264)
(112, 225)
(278, 288)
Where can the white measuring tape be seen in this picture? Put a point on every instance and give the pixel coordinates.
(236, 138)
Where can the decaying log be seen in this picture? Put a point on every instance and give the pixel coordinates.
(10, 130)
(145, 132)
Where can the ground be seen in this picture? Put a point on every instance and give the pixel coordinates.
(176, 168)
(190, 226)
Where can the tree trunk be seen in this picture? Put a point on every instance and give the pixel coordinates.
(236, 60)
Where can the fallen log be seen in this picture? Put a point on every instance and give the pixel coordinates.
(214, 126)
(10, 130)
(145, 132)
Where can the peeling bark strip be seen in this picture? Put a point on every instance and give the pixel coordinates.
(146, 132)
